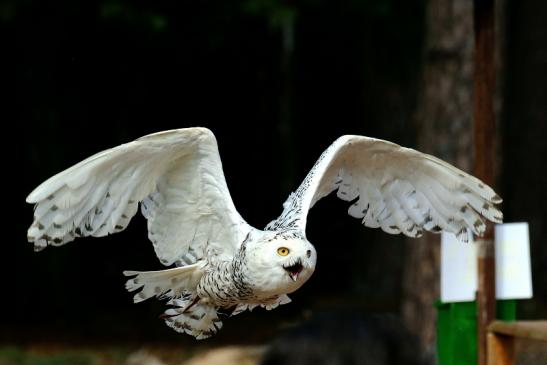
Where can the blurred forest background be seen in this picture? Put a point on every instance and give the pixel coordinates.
(277, 82)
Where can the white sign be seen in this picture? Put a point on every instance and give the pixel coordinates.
(513, 269)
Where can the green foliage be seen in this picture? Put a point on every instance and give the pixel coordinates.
(277, 13)
(129, 14)
(11, 355)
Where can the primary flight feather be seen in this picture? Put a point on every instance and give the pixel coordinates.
(221, 261)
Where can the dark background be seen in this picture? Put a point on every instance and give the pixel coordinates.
(276, 83)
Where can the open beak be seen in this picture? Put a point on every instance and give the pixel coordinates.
(294, 270)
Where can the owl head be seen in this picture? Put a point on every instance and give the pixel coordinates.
(279, 263)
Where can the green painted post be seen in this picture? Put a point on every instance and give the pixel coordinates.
(457, 330)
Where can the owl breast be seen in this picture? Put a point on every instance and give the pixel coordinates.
(224, 285)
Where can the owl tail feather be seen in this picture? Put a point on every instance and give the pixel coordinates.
(169, 283)
(194, 317)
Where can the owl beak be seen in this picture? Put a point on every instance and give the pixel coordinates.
(294, 276)
(294, 270)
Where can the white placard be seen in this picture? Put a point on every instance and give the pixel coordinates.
(513, 269)
(458, 269)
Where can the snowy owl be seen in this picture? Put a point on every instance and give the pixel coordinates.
(220, 261)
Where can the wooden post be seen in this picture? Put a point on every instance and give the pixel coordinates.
(501, 349)
(484, 133)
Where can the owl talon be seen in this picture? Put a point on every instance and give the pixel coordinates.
(196, 299)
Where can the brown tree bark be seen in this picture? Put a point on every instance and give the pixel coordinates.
(443, 121)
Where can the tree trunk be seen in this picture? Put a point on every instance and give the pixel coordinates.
(444, 129)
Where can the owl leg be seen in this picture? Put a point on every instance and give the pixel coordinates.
(194, 317)
(189, 306)
(270, 304)
(276, 302)
(196, 299)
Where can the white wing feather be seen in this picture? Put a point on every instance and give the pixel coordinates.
(176, 174)
(395, 188)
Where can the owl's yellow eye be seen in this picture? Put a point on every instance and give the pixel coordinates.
(283, 251)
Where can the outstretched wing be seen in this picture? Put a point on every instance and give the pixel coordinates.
(176, 175)
(395, 188)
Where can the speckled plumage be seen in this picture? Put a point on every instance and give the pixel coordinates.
(221, 262)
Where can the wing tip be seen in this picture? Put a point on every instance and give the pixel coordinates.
(496, 199)
(39, 194)
(32, 198)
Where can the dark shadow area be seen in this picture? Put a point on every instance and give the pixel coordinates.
(345, 339)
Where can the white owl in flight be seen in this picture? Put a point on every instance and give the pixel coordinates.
(221, 261)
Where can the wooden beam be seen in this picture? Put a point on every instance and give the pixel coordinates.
(484, 133)
(534, 330)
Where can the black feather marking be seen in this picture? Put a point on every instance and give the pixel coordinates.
(54, 208)
(208, 333)
(183, 325)
(436, 229)
(46, 238)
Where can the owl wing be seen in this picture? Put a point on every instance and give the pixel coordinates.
(176, 175)
(398, 189)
